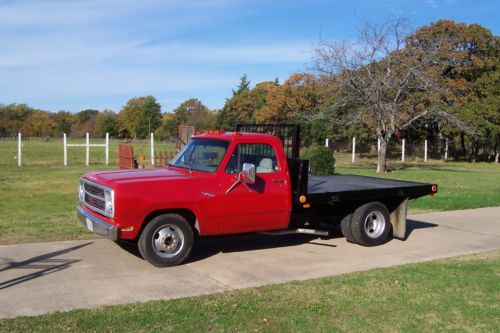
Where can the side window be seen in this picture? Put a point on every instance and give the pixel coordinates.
(260, 155)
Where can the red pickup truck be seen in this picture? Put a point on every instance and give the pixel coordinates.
(233, 183)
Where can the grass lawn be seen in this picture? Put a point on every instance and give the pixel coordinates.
(459, 294)
(38, 200)
(462, 185)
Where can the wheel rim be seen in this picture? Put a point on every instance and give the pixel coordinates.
(374, 224)
(168, 241)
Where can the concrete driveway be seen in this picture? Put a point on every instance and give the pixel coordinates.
(45, 277)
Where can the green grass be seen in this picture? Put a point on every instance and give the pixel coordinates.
(462, 185)
(459, 294)
(38, 200)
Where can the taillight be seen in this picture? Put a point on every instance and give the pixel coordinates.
(434, 188)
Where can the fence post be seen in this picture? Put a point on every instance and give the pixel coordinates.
(446, 150)
(65, 142)
(403, 150)
(326, 143)
(353, 149)
(19, 149)
(107, 148)
(425, 151)
(87, 149)
(152, 149)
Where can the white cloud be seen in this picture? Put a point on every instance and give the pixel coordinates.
(86, 49)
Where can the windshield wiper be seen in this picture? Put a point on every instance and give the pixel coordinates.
(189, 164)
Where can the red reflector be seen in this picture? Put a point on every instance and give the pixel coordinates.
(434, 188)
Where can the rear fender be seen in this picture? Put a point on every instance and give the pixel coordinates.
(398, 219)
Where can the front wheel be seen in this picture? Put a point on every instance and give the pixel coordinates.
(371, 224)
(166, 241)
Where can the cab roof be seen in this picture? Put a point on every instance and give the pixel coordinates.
(236, 136)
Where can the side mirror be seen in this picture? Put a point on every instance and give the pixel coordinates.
(247, 175)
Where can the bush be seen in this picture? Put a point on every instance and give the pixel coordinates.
(321, 160)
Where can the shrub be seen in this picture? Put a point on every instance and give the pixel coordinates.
(321, 160)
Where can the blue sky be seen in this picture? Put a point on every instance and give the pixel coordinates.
(77, 54)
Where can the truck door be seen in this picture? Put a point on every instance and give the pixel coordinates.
(264, 205)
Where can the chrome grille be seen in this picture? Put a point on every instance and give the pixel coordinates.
(94, 196)
(95, 202)
(94, 190)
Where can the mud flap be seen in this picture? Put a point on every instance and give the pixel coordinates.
(398, 220)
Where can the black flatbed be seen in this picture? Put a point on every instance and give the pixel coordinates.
(351, 189)
(336, 188)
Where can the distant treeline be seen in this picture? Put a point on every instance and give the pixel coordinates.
(441, 80)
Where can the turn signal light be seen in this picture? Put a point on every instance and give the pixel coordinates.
(212, 132)
(129, 228)
(302, 198)
(307, 205)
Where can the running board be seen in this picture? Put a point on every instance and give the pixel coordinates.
(323, 233)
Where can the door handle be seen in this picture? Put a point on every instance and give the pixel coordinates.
(278, 180)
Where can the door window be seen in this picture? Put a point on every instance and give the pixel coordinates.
(258, 154)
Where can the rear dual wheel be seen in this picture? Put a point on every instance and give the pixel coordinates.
(369, 225)
(345, 226)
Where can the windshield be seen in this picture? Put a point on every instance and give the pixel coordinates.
(201, 154)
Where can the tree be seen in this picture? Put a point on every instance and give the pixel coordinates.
(169, 127)
(191, 112)
(389, 85)
(294, 101)
(12, 117)
(484, 107)
(64, 120)
(243, 86)
(273, 108)
(39, 123)
(106, 122)
(85, 115)
(84, 122)
(467, 56)
(139, 117)
(262, 103)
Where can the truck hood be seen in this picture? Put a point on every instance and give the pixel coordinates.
(110, 178)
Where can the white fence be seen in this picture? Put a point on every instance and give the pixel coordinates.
(403, 149)
(87, 146)
(19, 149)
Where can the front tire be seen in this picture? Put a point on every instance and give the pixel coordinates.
(371, 224)
(166, 241)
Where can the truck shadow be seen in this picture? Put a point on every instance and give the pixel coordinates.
(209, 246)
(412, 225)
(43, 264)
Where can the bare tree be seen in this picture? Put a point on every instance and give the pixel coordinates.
(391, 86)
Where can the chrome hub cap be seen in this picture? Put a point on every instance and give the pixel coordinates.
(168, 241)
(374, 224)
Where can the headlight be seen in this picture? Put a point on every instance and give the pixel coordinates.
(81, 191)
(109, 202)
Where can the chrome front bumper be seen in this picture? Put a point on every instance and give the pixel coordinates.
(96, 225)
